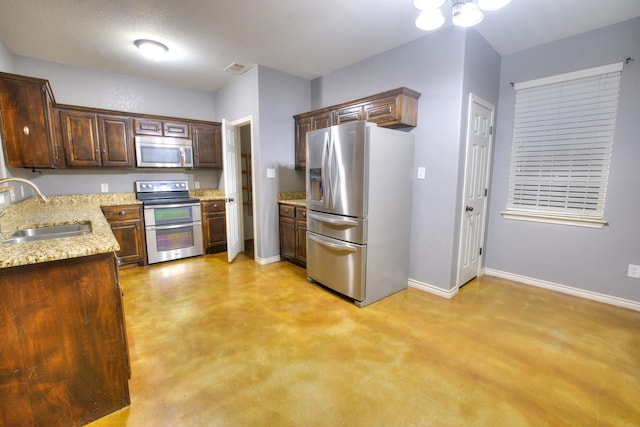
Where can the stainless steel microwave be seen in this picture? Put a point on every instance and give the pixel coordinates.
(163, 152)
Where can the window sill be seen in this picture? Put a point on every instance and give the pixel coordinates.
(550, 219)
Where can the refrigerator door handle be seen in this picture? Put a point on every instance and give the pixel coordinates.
(342, 247)
(335, 221)
(324, 170)
(330, 164)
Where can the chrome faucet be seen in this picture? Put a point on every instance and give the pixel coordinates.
(29, 183)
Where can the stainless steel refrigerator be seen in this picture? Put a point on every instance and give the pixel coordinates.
(359, 184)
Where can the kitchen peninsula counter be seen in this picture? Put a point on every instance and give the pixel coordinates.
(66, 209)
(65, 360)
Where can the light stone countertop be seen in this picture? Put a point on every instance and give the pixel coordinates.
(207, 194)
(296, 198)
(59, 210)
(66, 209)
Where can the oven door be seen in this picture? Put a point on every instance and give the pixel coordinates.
(170, 214)
(173, 231)
(169, 242)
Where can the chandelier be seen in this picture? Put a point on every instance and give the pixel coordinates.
(464, 13)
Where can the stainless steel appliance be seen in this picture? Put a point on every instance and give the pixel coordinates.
(163, 152)
(173, 224)
(359, 184)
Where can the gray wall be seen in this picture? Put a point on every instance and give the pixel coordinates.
(280, 97)
(435, 65)
(271, 98)
(482, 78)
(589, 259)
(90, 88)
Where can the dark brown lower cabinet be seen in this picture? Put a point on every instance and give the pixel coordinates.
(63, 356)
(214, 226)
(293, 234)
(127, 226)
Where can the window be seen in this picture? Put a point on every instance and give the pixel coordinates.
(562, 139)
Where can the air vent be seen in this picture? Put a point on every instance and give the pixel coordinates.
(236, 68)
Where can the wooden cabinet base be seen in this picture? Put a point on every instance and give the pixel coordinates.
(214, 226)
(293, 234)
(63, 357)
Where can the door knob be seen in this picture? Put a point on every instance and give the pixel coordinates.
(469, 209)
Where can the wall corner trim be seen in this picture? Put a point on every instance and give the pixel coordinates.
(594, 296)
(425, 287)
(270, 260)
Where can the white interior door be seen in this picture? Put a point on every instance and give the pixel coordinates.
(230, 172)
(476, 182)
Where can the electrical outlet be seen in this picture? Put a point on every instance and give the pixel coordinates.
(271, 173)
(196, 184)
(634, 271)
(104, 188)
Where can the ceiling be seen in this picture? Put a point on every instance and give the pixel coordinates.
(300, 37)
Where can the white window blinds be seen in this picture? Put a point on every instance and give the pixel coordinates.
(562, 140)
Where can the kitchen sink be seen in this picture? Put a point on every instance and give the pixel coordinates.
(49, 232)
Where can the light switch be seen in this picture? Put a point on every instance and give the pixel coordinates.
(421, 172)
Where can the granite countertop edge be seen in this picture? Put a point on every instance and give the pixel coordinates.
(296, 198)
(66, 209)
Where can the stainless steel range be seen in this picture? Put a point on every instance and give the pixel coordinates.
(173, 224)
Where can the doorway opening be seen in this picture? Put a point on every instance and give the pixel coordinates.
(246, 186)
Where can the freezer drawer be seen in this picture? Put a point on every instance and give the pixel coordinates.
(337, 265)
(339, 227)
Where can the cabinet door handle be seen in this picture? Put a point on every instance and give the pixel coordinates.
(25, 130)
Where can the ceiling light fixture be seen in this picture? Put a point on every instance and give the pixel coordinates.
(465, 13)
(151, 49)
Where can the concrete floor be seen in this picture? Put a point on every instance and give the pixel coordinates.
(213, 344)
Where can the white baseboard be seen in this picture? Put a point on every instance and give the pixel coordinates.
(265, 261)
(425, 287)
(608, 299)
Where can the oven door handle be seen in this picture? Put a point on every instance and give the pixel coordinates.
(169, 227)
(176, 205)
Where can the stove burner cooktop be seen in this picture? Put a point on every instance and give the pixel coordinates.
(163, 193)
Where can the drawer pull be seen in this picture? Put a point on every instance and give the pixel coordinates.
(122, 213)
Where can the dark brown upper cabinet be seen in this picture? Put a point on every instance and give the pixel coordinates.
(91, 139)
(396, 109)
(207, 145)
(38, 133)
(27, 122)
(150, 126)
